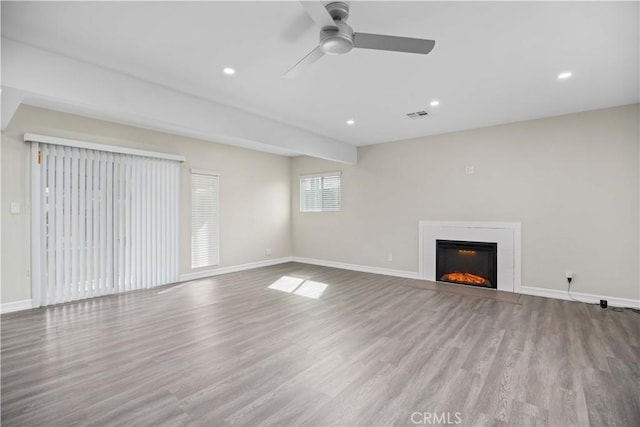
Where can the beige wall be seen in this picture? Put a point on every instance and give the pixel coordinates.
(254, 191)
(572, 181)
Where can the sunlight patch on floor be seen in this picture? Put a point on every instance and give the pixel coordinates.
(298, 286)
(311, 289)
(286, 284)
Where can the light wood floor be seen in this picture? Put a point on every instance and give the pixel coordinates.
(372, 350)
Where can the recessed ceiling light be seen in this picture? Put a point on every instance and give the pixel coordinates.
(229, 71)
(564, 75)
(350, 121)
(435, 103)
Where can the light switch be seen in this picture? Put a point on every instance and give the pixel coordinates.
(15, 207)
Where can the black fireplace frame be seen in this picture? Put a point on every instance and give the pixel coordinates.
(491, 248)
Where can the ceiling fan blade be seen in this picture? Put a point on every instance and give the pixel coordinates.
(296, 28)
(393, 43)
(311, 57)
(318, 13)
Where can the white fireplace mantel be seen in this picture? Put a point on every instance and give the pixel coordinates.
(507, 236)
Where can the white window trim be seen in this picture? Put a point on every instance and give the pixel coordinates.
(323, 174)
(32, 137)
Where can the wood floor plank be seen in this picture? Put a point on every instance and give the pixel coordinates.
(371, 350)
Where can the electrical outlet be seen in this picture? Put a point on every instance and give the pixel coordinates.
(267, 252)
(469, 170)
(389, 257)
(569, 274)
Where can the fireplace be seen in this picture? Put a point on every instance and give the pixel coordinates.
(506, 235)
(467, 263)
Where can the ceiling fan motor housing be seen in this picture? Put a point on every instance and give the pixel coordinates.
(338, 10)
(336, 41)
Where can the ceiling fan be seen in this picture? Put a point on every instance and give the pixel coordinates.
(338, 38)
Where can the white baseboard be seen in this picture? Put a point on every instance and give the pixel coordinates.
(232, 269)
(12, 306)
(589, 298)
(527, 290)
(361, 268)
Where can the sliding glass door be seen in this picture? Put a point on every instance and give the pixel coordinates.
(104, 222)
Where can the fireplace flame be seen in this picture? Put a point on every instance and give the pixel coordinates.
(465, 278)
(466, 252)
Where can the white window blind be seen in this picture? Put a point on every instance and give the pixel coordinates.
(104, 222)
(204, 219)
(320, 193)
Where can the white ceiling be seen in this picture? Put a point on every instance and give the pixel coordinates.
(494, 62)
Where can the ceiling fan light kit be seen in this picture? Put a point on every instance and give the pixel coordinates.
(338, 38)
(336, 41)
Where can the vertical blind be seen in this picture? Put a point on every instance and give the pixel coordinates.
(204, 219)
(320, 193)
(108, 222)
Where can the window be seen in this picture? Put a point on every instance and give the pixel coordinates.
(204, 219)
(320, 192)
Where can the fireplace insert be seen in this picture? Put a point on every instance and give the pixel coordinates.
(467, 263)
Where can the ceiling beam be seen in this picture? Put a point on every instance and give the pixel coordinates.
(45, 79)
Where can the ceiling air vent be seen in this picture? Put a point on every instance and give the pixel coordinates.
(417, 115)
